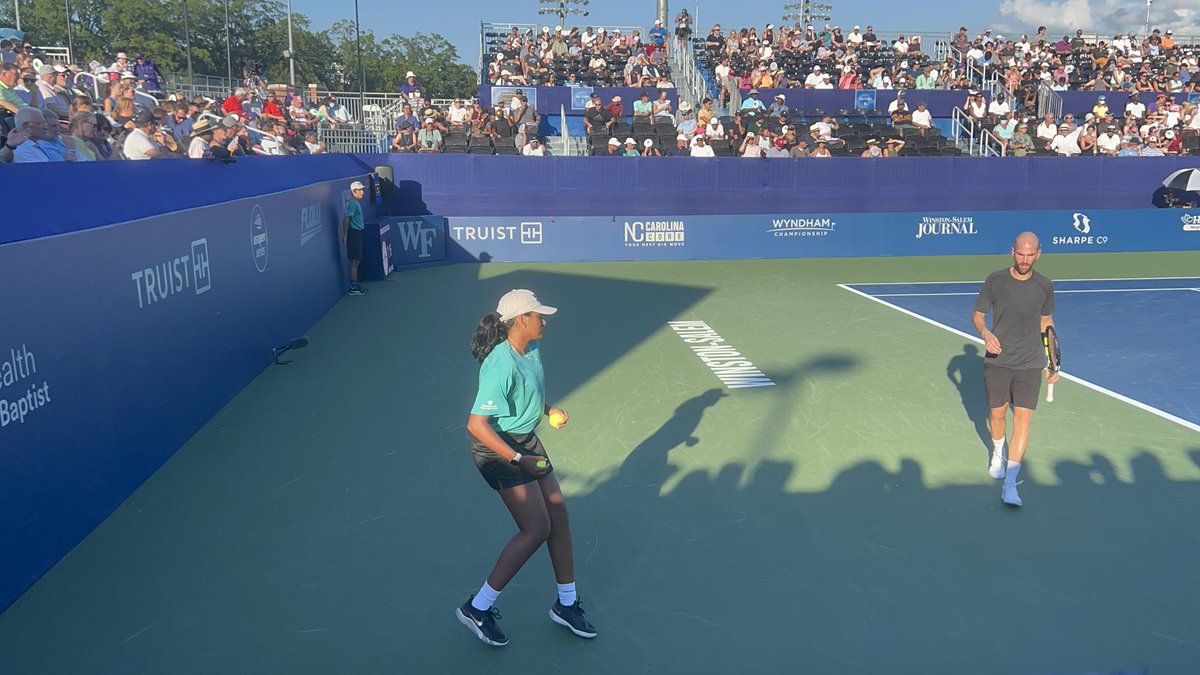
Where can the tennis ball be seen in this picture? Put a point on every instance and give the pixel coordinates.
(542, 464)
(557, 419)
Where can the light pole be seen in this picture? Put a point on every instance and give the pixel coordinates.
(362, 73)
(561, 8)
(70, 40)
(1147, 31)
(187, 38)
(291, 53)
(809, 12)
(17, 12)
(228, 50)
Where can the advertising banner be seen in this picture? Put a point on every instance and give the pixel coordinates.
(814, 235)
(124, 340)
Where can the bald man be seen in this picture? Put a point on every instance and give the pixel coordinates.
(1021, 301)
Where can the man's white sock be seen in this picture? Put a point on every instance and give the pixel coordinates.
(485, 598)
(998, 444)
(566, 594)
(1010, 476)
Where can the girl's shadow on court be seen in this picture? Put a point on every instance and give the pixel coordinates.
(965, 370)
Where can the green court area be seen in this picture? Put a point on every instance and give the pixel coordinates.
(841, 520)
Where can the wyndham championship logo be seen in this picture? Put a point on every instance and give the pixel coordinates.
(258, 238)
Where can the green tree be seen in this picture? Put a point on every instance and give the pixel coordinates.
(258, 33)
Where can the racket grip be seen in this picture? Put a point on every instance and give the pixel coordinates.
(1050, 393)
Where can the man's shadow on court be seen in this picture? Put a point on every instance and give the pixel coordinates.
(965, 370)
(647, 464)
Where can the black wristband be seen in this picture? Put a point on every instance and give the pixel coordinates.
(10, 147)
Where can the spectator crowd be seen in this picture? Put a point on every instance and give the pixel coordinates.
(54, 111)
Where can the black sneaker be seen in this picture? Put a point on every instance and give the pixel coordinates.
(482, 623)
(357, 291)
(572, 617)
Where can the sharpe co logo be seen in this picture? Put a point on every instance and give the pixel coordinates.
(166, 279)
(1191, 223)
(527, 233)
(258, 237)
(802, 227)
(654, 233)
(1083, 225)
(938, 226)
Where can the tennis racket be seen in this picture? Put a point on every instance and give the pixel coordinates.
(1053, 358)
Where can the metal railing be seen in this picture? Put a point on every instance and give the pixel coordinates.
(962, 125)
(990, 145)
(353, 139)
(53, 54)
(689, 83)
(1049, 102)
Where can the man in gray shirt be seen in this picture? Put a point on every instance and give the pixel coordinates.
(1022, 305)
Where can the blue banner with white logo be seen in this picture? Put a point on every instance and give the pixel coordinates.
(124, 340)
(814, 235)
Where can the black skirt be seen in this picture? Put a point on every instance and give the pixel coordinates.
(496, 470)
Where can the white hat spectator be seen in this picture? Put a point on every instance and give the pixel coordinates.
(616, 99)
(680, 137)
(647, 143)
(1170, 133)
(613, 141)
(45, 69)
(684, 106)
(856, 28)
(657, 22)
(412, 74)
(630, 141)
(121, 55)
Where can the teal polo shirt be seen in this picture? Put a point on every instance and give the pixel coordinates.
(512, 389)
(355, 214)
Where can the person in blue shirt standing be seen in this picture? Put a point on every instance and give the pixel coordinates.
(508, 454)
(352, 235)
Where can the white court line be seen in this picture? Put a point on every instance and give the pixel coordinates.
(1056, 291)
(1120, 397)
(980, 281)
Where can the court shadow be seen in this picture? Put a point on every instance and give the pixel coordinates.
(646, 467)
(965, 371)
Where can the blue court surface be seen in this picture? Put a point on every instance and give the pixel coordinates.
(1130, 338)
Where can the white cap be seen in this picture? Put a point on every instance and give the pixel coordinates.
(520, 301)
(856, 28)
(681, 137)
(630, 140)
(357, 185)
(412, 74)
(121, 55)
(613, 141)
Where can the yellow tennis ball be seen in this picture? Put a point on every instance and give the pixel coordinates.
(541, 464)
(557, 419)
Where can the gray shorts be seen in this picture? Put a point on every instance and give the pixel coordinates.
(1020, 387)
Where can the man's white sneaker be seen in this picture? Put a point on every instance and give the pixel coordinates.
(1009, 495)
(996, 468)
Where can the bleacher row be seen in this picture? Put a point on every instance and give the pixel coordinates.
(503, 51)
(851, 141)
(797, 65)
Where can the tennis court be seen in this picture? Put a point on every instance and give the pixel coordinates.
(837, 519)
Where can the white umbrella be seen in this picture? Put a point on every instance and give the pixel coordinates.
(1187, 180)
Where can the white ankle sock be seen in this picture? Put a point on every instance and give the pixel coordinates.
(1010, 476)
(566, 594)
(485, 598)
(998, 444)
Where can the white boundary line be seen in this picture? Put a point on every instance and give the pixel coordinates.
(1120, 397)
(980, 281)
(1056, 291)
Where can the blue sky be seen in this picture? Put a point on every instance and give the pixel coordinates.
(459, 21)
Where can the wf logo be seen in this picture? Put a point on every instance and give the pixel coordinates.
(415, 236)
